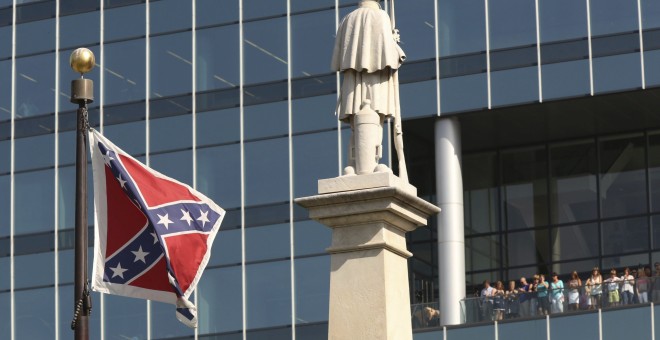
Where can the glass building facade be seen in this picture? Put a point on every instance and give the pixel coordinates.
(557, 101)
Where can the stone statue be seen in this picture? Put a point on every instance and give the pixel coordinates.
(368, 56)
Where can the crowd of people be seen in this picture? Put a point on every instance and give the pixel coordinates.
(541, 296)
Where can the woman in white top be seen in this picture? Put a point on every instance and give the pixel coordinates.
(628, 289)
(574, 291)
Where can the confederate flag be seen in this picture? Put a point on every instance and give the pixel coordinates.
(153, 234)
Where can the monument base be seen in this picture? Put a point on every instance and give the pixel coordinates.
(369, 216)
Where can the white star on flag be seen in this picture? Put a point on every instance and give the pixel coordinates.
(155, 237)
(118, 271)
(121, 181)
(164, 220)
(186, 216)
(140, 255)
(107, 158)
(203, 218)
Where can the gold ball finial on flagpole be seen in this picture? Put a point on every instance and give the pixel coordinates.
(82, 60)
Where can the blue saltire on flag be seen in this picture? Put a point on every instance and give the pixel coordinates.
(153, 234)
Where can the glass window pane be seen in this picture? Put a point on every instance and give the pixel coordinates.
(582, 326)
(218, 127)
(617, 72)
(266, 171)
(216, 68)
(5, 201)
(482, 253)
(455, 36)
(5, 90)
(525, 187)
(124, 22)
(268, 242)
(532, 329)
(220, 308)
(35, 80)
(574, 242)
(35, 270)
(262, 8)
(554, 78)
(130, 137)
(314, 113)
(171, 64)
(31, 322)
(34, 212)
(312, 35)
(71, 34)
(463, 93)
(625, 236)
(515, 86)
(226, 248)
(311, 237)
(573, 191)
(219, 176)
(655, 224)
(34, 152)
(480, 193)
(512, 23)
(264, 46)
(418, 99)
(562, 20)
(124, 77)
(416, 24)
(654, 170)
(210, 12)
(35, 36)
(613, 16)
(161, 14)
(527, 247)
(170, 133)
(618, 323)
(312, 289)
(266, 120)
(5, 39)
(479, 332)
(177, 165)
(5, 308)
(164, 323)
(622, 176)
(625, 261)
(127, 316)
(651, 68)
(315, 157)
(268, 294)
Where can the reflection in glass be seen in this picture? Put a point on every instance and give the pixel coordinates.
(264, 46)
(219, 176)
(35, 80)
(161, 14)
(268, 294)
(574, 242)
(528, 247)
(36, 212)
(525, 187)
(5, 90)
(573, 183)
(622, 176)
(625, 261)
(463, 93)
(417, 29)
(35, 36)
(480, 193)
(124, 77)
(266, 171)
(308, 114)
(171, 64)
(31, 322)
(312, 287)
(512, 23)
(211, 12)
(216, 68)
(482, 253)
(455, 36)
(124, 22)
(625, 236)
(312, 37)
(71, 34)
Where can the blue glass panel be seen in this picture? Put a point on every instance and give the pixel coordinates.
(617, 324)
(226, 247)
(130, 137)
(34, 152)
(218, 127)
(268, 294)
(312, 41)
(177, 165)
(124, 22)
(36, 36)
(562, 19)
(583, 327)
(625, 236)
(266, 120)
(311, 237)
(263, 8)
(219, 174)
(66, 261)
(618, 72)
(463, 93)
(126, 316)
(314, 113)
(164, 323)
(35, 78)
(170, 133)
(613, 16)
(481, 332)
(35, 270)
(210, 12)
(315, 157)
(219, 300)
(4, 269)
(216, 67)
(5, 90)
(161, 14)
(301, 5)
(417, 29)
(267, 242)
(512, 23)
(124, 77)
(267, 171)
(71, 34)
(428, 335)
(5, 38)
(264, 46)
(650, 14)
(34, 201)
(31, 322)
(555, 79)
(514, 86)
(5, 199)
(171, 64)
(312, 289)
(455, 36)
(418, 99)
(656, 316)
(533, 329)
(651, 68)
(5, 311)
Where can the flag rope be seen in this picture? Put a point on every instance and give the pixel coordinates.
(85, 300)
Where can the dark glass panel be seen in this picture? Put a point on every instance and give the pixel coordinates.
(36, 11)
(418, 99)
(31, 322)
(480, 193)
(78, 6)
(622, 176)
(654, 170)
(528, 247)
(266, 120)
(79, 30)
(520, 85)
(171, 64)
(33, 243)
(315, 156)
(655, 231)
(216, 68)
(513, 58)
(35, 270)
(130, 137)
(613, 16)
(177, 165)
(615, 44)
(34, 152)
(267, 214)
(212, 12)
(621, 261)
(5, 91)
(35, 80)
(268, 294)
(221, 306)
(312, 288)
(584, 266)
(651, 68)
(512, 23)
(226, 247)
(573, 188)
(314, 113)
(172, 133)
(565, 51)
(5, 42)
(625, 236)
(455, 36)
(124, 77)
(581, 326)
(5, 199)
(312, 332)
(66, 191)
(34, 212)
(312, 41)
(267, 242)
(417, 29)
(127, 316)
(263, 8)
(525, 187)
(164, 323)
(482, 253)
(219, 174)
(562, 19)
(124, 22)
(161, 13)
(311, 237)
(463, 93)
(574, 242)
(264, 47)
(462, 65)
(555, 84)
(266, 171)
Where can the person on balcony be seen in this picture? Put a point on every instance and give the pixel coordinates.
(557, 294)
(574, 286)
(627, 289)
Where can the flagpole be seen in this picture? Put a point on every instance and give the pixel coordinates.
(82, 92)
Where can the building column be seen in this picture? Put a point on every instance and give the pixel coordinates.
(451, 241)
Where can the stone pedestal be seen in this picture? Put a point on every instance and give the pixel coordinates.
(369, 216)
